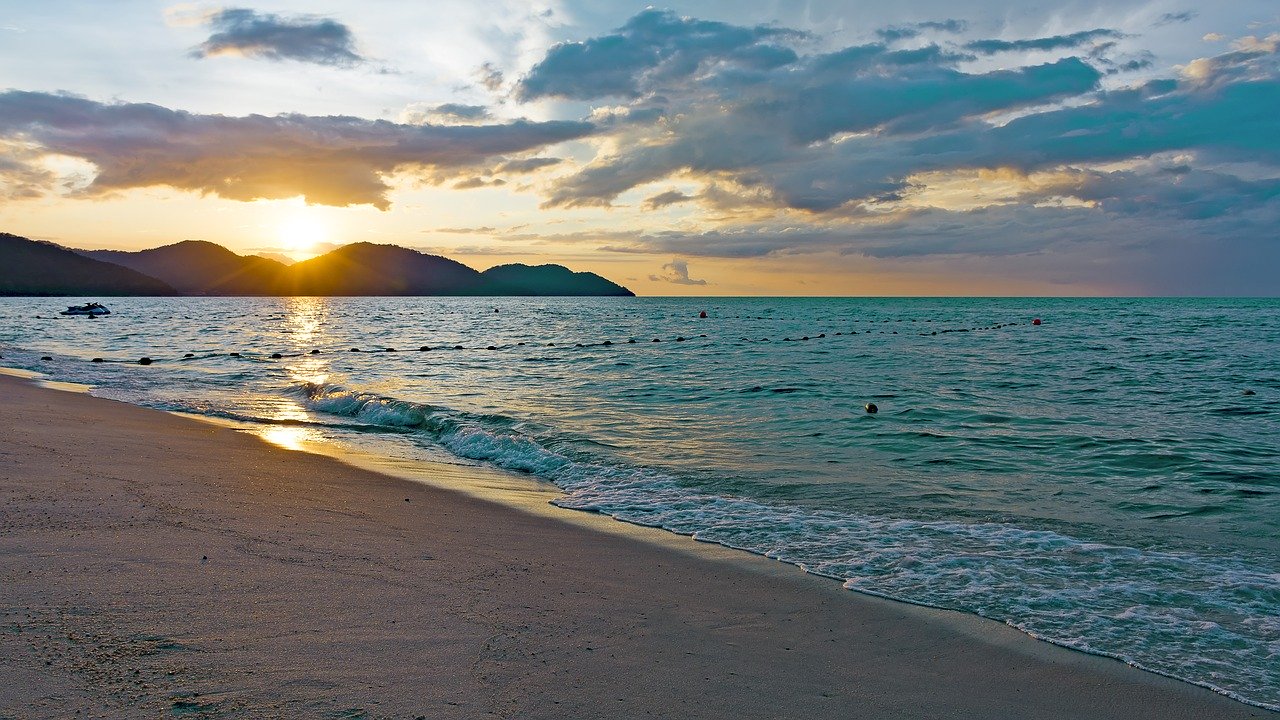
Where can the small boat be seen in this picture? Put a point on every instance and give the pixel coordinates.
(88, 309)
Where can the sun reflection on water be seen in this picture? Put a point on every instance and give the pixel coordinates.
(304, 316)
(291, 437)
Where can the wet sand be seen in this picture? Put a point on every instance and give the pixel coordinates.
(153, 565)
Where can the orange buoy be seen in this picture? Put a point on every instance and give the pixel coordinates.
(1036, 321)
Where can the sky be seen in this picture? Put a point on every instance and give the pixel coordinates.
(717, 147)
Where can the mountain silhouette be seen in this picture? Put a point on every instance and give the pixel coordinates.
(195, 267)
(369, 269)
(32, 267)
(518, 279)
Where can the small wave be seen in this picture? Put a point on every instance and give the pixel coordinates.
(1200, 619)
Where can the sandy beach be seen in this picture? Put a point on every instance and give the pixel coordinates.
(152, 565)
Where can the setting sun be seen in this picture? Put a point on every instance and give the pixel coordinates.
(299, 234)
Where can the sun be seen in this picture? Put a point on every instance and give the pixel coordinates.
(299, 234)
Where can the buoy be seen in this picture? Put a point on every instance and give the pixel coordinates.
(457, 347)
(656, 340)
(275, 356)
(45, 357)
(607, 342)
(491, 347)
(632, 341)
(96, 360)
(702, 314)
(234, 354)
(680, 339)
(391, 349)
(144, 361)
(315, 352)
(424, 348)
(495, 309)
(871, 408)
(189, 355)
(355, 349)
(1036, 321)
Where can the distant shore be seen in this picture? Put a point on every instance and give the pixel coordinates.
(154, 565)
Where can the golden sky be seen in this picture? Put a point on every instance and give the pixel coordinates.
(713, 148)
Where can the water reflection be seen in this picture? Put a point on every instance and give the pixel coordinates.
(304, 316)
(290, 437)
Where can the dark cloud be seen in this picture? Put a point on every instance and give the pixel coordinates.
(474, 183)
(654, 47)
(1175, 18)
(893, 33)
(845, 132)
(764, 126)
(305, 38)
(676, 272)
(1055, 42)
(663, 199)
(331, 160)
(865, 150)
(459, 111)
(526, 165)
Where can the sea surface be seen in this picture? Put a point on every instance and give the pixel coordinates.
(1108, 480)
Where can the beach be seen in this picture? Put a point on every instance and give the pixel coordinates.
(155, 564)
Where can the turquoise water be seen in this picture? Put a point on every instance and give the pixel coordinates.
(1108, 480)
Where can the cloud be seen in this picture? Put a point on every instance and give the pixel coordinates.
(304, 38)
(676, 272)
(330, 160)
(486, 230)
(844, 132)
(22, 174)
(663, 199)
(474, 183)
(444, 114)
(1055, 42)
(767, 127)
(655, 46)
(526, 165)
(1176, 18)
(491, 78)
(894, 33)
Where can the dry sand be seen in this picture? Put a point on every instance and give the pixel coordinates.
(155, 566)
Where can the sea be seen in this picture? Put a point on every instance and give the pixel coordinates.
(1107, 479)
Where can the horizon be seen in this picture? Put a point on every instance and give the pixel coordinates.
(974, 148)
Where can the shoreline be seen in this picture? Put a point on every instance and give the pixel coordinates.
(160, 557)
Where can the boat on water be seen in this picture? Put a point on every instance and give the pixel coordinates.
(92, 308)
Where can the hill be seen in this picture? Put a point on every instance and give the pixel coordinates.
(31, 267)
(519, 279)
(196, 267)
(368, 269)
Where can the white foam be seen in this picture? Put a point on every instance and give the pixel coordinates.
(1210, 621)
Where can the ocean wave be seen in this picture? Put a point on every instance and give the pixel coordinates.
(1209, 621)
